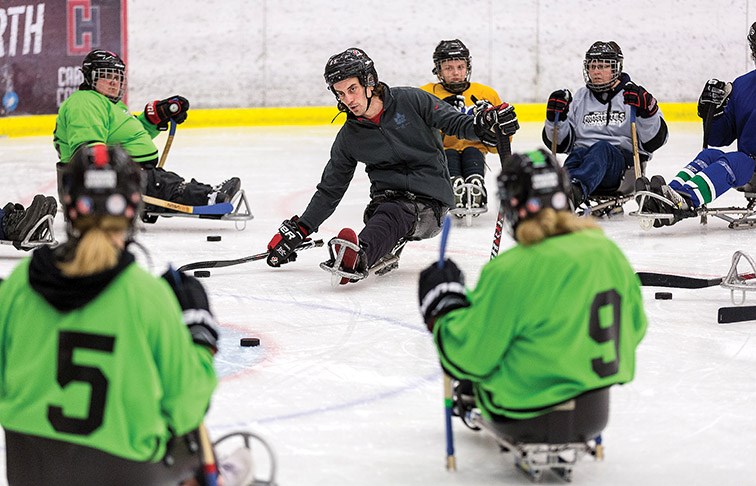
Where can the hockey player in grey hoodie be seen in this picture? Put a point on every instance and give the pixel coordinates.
(395, 132)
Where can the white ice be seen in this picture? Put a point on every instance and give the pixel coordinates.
(346, 383)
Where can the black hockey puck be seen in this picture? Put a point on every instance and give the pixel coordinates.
(663, 296)
(214, 238)
(247, 342)
(201, 273)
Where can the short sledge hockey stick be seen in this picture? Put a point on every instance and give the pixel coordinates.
(505, 150)
(451, 462)
(209, 468)
(634, 137)
(727, 315)
(305, 245)
(652, 279)
(214, 209)
(167, 148)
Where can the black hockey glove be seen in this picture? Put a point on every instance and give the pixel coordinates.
(193, 300)
(487, 116)
(441, 290)
(458, 102)
(559, 103)
(282, 246)
(159, 113)
(714, 98)
(642, 100)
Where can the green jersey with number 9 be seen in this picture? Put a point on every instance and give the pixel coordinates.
(546, 322)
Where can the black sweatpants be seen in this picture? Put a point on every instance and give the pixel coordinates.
(170, 186)
(389, 218)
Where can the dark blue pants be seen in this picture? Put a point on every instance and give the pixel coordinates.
(598, 167)
(466, 163)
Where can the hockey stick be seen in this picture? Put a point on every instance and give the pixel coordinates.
(505, 149)
(652, 279)
(171, 133)
(554, 134)
(727, 315)
(209, 469)
(451, 462)
(305, 245)
(213, 209)
(634, 134)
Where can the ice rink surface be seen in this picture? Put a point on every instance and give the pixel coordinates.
(346, 384)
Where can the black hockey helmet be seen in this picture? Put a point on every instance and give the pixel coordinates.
(603, 52)
(529, 183)
(352, 62)
(752, 41)
(99, 63)
(102, 180)
(452, 50)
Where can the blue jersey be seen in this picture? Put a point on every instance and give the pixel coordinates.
(739, 120)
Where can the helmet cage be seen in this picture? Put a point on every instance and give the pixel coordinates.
(603, 53)
(528, 184)
(109, 74)
(102, 181)
(452, 50)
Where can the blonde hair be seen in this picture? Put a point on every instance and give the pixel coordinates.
(549, 222)
(96, 250)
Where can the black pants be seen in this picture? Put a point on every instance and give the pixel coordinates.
(392, 216)
(167, 185)
(36, 461)
(161, 184)
(466, 163)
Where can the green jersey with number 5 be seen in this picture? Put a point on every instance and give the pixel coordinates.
(118, 373)
(546, 323)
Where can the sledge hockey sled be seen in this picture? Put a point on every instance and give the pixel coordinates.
(555, 441)
(239, 463)
(609, 203)
(469, 212)
(736, 217)
(45, 224)
(236, 210)
(386, 264)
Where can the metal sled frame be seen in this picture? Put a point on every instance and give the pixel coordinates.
(534, 459)
(241, 213)
(248, 438)
(600, 205)
(390, 261)
(736, 217)
(735, 282)
(334, 263)
(48, 235)
(468, 212)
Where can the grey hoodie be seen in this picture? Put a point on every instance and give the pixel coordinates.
(403, 153)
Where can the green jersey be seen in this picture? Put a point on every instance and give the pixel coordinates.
(546, 323)
(89, 117)
(119, 373)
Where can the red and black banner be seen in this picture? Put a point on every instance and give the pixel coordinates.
(42, 44)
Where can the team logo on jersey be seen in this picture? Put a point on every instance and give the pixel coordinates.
(400, 120)
(598, 118)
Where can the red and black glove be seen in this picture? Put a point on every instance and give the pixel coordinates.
(642, 100)
(559, 103)
(486, 117)
(283, 245)
(160, 113)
